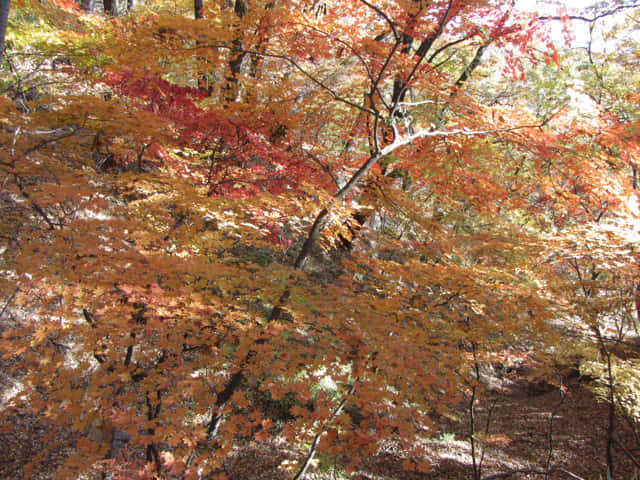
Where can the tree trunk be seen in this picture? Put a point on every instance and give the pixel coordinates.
(111, 7)
(232, 82)
(88, 5)
(198, 6)
(4, 19)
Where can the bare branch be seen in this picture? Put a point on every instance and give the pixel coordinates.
(627, 452)
(421, 102)
(400, 142)
(37, 208)
(343, 43)
(324, 167)
(294, 64)
(8, 302)
(531, 471)
(447, 45)
(311, 77)
(582, 18)
(387, 61)
(384, 16)
(69, 133)
(316, 439)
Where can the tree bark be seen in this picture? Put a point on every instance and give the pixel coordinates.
(198, 6)
(4, 19)
(88, 5)
(111, 7)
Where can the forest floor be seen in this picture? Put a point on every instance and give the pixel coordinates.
(518, 439)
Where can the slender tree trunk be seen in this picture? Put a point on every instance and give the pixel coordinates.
(237, 377)
(88, 5)
(611, 427)
(316, 440)
(111, 7)
(4, 19)
(232, 86)
(377, 153)
(198, 6)
(360, 217)
(204, 78)
(477, 469)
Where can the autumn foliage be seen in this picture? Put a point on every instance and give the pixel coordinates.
(298, 220)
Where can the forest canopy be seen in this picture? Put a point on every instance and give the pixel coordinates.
(313, 224)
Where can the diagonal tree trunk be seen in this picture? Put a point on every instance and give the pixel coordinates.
(358, 179)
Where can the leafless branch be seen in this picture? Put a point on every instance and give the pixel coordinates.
(422, 51)
(441, 49)
(582, 18)
(324, 167)
(627, 452)
(376, 83)
(402, 141)
(314, 445)
(384, 16)
(8, 302)
(344, 44)
(532, 471)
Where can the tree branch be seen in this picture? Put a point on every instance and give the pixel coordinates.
(626, 452)
(595, 18)
(531, 471)
(8, 302)
(314, 445)
(296, 65)
(384, 16)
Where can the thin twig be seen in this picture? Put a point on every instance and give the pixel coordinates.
(532, 471)
(8, 302)
(583, 18)
(314, 445)
(550, 431)
(627, 452)
(384, 16)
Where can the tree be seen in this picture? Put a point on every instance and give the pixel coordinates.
(111, 7)
(4, 17)
(182, 284)
(606, 299)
